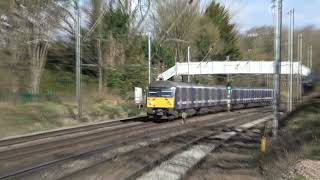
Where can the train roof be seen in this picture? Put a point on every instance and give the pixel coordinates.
(170, 84)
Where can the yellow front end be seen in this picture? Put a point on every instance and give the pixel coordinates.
(160, 102)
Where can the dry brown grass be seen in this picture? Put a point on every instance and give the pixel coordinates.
(298, 140)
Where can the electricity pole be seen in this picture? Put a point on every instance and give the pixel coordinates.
(100, 66)
(78, 61)
(189, 59)
(311, 57)
(277, 40)
(290, 59)
(228, 75)
(149, 58)
(300, 65)
(298, 68)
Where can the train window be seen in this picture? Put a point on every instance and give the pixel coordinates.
(203, 94)
(154, 92)
(198, 94)
(216, 94)
(184, 94)
(160, 92)
(166, 93)
(189, 94)
(178, 94)
(206, 94)
(213, 91)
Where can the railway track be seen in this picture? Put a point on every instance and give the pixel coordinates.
(178, 166)
(238, 158)
(11, 141)
(214, 136)
(105, 152)
(132, 165)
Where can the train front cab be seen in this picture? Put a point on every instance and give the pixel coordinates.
(160, 102)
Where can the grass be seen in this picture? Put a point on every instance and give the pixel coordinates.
(31, 117)
(22, 118)
(56, 106)
(113, 109)
(299, 139)
(300, 178)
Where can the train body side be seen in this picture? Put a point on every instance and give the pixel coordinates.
(166, 98)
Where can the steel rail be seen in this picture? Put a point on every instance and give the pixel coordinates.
(64, 131)
(88, 137)
(14, 153)
(214, 132)
(207, 144)
(97, 150)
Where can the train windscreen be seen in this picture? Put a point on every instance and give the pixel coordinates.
(160, 92)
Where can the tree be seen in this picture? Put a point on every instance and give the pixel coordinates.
(220, 17)
(96, 13)
(167, 13)
(137, 13)
(205, 40)
(257, 43)
(29, 28)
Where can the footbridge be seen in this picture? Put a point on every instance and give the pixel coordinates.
(232, 67)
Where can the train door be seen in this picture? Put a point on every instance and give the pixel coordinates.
(178, 100)
(218, 97)
(241, 96)
(198, 97)
(246, 96)
(188, 97)
(184, 96)
(215, 96)
(206, 97)
(236, 94)
(225, 95)
(253, 96)
(210, 96)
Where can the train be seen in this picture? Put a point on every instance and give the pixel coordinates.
(308, 83)
(170, 100)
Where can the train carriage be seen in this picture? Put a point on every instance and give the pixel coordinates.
(167, 99)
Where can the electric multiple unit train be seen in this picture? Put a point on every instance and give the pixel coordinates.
(167, 99)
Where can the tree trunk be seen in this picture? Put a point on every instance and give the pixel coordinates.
(39, 57)
(100, 68)
(35, 81)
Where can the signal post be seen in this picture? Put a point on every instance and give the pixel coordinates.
(229, 91)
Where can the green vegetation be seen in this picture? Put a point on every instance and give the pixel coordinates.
(299, 140)
(32, 117)
(220, 17)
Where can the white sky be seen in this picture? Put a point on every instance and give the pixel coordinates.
(250, 13)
